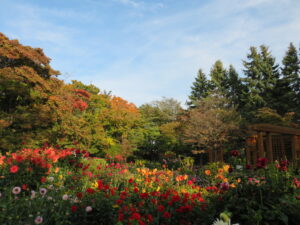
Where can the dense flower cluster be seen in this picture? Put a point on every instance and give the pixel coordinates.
(85, 187)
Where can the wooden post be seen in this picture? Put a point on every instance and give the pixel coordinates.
(294, 147)
(210, 156)
(269, 147)
(221, 155)
(260, 141)
(248, 155)
(282, 150)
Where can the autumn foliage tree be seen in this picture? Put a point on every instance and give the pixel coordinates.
(211, 124)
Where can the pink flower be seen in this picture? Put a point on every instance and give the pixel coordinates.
(14, 169)
(88, 209)
(16, 190)
(38, 220)
(261, 163)
(43, 191)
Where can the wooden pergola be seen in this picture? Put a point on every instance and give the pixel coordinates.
(273, 142)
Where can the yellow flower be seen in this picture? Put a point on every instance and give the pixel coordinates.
(60, 177)
(158, 188)
(183, 190)
(239, 180)
(115, 206)
(232, 185)
(226, 168)
(225, 180)
(95, 184)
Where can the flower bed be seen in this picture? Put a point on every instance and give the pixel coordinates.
(52, 186)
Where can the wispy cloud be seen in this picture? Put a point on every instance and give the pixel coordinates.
(142, 50)
(131, 3)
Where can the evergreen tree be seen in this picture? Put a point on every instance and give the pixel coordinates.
(200, 89)
(286, 86)
(289, 88)
(235, 87)
(262, 75)
(219, 77)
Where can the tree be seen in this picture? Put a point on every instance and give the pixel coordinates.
(211, 124)
(234, 88)
(262, 75)
(27, 82)
(200, 89)
(219, 77)
(288, 87)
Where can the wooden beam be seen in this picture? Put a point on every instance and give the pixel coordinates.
(248, 155)
(260, 142)
(274, 129)
(294, 147)
(269, 147)
(210, 155)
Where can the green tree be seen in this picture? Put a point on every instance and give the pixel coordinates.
(200, 89)
(234, 88)
(288, 87)
(262, 75)
(219, 77)
(27, 83)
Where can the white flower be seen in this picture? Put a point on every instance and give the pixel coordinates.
(49, 198)
(43, 191)
(65, 197)
(33, 194)
(16, 190)
(220, 222)
(38, 220)
(50, 187)
(88, 209)
(51, 179)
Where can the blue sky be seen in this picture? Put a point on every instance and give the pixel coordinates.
(142, 50)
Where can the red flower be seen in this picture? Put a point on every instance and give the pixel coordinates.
(79, 195)
(261, 163)
(43, 180)
(160, 208)
(136, 190)
(166, 215)
(144, 195)
(298, 197)
(121, 217)
(74, 208)
(234, 153)
(248, 166)
(14, 169)
(135, 216)
(130, 180)
(90, 190)
(150, 218)
(24, 187)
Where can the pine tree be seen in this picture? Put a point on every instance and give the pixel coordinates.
(219, 77)
(262, 75)
(235, 87)
(288, 87)
(200, 89)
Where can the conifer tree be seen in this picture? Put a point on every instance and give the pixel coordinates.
(235, 87)
(219, 77)
(200, 89)
(262, 75)
(288, 87)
